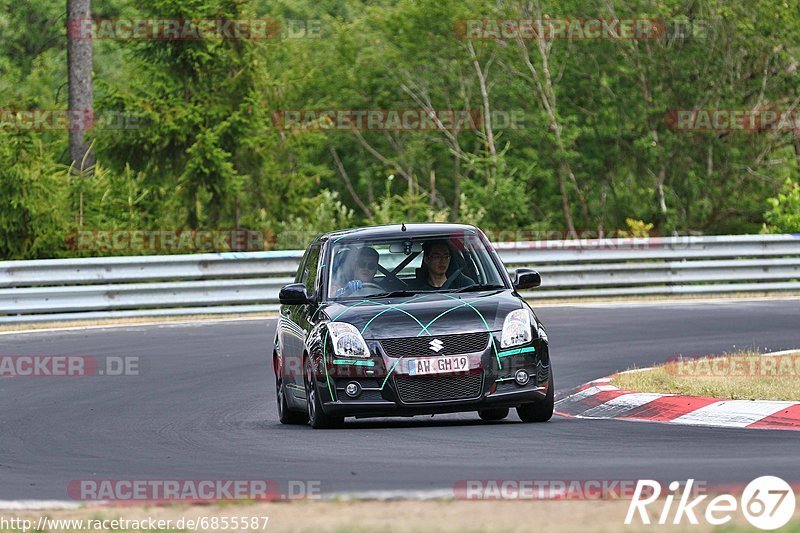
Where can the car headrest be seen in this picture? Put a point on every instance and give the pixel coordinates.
(456, 261)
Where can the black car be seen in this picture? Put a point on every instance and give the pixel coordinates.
(406, 320)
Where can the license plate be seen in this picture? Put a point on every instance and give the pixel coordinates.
(436, 365)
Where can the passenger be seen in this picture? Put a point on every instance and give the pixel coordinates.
(436, 261)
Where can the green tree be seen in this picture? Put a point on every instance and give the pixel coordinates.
(783, 216)
(31, 188)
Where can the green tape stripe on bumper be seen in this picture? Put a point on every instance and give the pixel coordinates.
(355, 362)
(517, 351)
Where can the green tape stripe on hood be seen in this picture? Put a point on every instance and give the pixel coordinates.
(494, 346)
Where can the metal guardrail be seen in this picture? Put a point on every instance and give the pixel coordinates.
(93, 288)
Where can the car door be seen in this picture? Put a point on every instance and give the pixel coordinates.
(297, 322)
(289, 339)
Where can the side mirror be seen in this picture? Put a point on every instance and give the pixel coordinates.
(293, 294)
(526, 278)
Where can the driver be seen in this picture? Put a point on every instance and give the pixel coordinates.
(363, 271)
(436, 259)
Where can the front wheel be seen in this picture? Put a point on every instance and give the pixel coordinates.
(316, 417)
(542, 410)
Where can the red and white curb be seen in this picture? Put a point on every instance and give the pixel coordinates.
(599, 399)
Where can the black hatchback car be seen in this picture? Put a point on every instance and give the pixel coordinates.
(406, 320)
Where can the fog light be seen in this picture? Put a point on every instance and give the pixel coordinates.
(522, 377)
(353, 389)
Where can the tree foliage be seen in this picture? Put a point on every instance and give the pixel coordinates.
(783, 216)
(593, 147)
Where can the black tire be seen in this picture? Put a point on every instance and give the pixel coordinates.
(285, 414)
(492, 415)
(540, 411)
(316, 417)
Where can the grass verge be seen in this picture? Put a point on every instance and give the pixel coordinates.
(586, 516)
(746, 376)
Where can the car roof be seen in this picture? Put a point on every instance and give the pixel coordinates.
(412, 230)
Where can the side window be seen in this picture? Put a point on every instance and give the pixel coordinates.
(311, 269)
(298, 277)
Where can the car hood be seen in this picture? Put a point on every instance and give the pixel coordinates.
(441, 313)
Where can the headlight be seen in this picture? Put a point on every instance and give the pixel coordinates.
(347, 340)
(516, 329)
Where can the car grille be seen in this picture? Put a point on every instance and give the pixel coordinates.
(365, 396)
(451, 344)
(413, 389)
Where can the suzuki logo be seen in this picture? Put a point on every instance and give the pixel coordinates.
(436, 345)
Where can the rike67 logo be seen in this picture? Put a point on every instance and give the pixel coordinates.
(767, 502)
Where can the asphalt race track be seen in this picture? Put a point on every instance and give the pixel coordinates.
(203, 407)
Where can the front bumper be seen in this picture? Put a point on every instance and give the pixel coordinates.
(380, 376)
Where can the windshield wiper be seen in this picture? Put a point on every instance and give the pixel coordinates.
(391, 294)
(478, 287)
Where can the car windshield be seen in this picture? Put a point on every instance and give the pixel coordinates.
(407, 265)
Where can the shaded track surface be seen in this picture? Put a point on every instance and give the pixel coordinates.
(203, 408)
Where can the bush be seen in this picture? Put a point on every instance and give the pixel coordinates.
(784, 213)
(324, 212)
(31, 187)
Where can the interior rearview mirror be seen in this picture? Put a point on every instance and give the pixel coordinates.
(406, 247)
